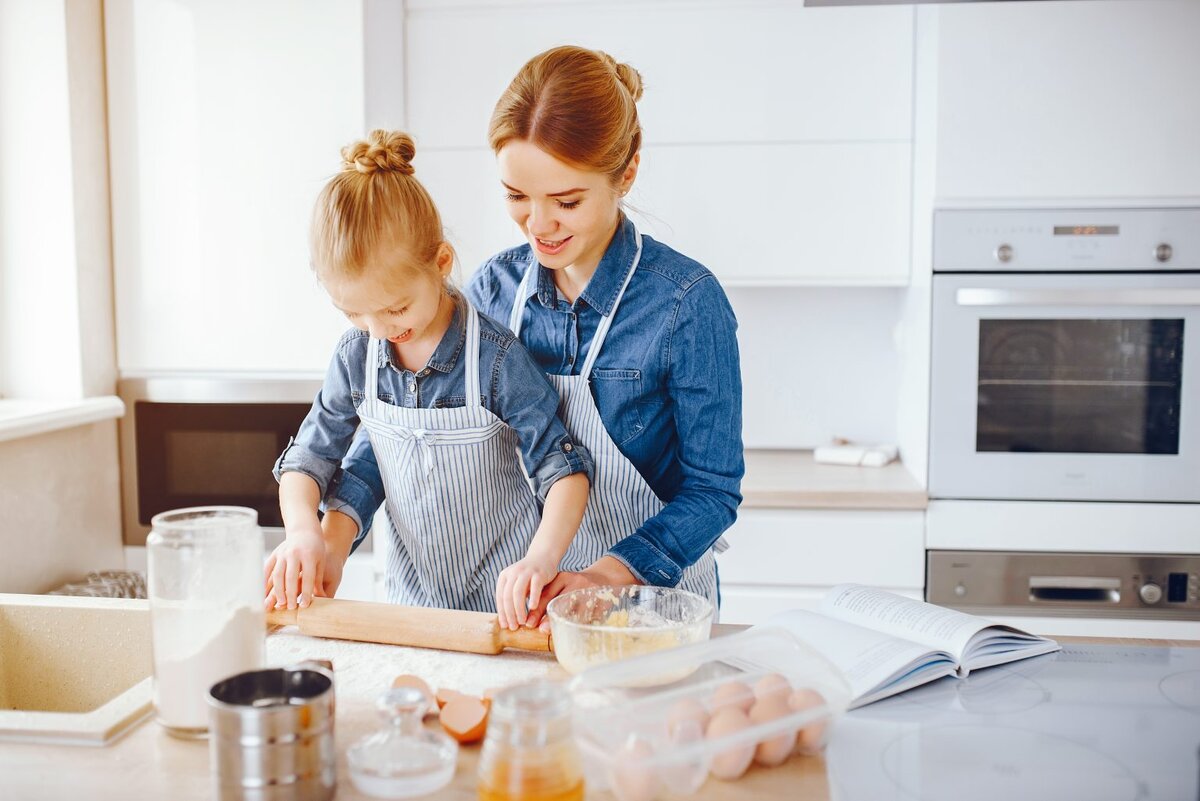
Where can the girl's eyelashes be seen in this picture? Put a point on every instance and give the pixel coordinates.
(513, 197)
(398, 312)
(563, 204)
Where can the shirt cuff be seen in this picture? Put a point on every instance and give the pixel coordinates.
(566, 459)
(350, 496)
(649, 564)
(298, 459)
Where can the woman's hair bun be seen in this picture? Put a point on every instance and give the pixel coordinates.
(630, 78)
(386, 151)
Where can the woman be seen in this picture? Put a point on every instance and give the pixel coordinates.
(638, 339)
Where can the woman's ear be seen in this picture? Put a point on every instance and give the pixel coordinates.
(630, 174)
(445, 259)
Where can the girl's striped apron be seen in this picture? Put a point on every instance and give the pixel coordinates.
(458, 505)
(620, 500)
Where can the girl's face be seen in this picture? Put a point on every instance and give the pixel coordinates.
(394, 303)
(567, 214)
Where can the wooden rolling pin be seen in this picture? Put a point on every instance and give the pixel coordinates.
(447, 629)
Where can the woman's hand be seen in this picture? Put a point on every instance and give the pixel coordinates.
(520, 584)
(295, 569)
(606, 571)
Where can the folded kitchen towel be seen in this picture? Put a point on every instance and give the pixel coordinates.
(848, 453)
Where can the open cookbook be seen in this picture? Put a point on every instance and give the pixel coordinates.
(884, 643)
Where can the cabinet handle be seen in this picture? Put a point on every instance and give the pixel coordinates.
(1077, 297)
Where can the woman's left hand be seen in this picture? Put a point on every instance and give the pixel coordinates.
(606, 571)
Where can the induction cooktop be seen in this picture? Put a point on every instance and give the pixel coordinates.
(1094, 722)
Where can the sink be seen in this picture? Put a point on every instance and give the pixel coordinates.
(73, 670)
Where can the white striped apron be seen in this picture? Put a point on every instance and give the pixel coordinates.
(459, 507)
(620, 500)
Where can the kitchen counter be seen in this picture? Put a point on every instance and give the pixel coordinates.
(790, 479)
(149, 764)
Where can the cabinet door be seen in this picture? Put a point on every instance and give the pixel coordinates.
(777, 138)
(1068, 100)
(225, 119)
(786, 559)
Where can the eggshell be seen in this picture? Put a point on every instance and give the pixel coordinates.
(736, 694)
(686, 712)
(410, 680)
(771, 685)
(445, 695)
(773, 750)
(633, 778)
(464, 718)
(812, 736)
(732, 762)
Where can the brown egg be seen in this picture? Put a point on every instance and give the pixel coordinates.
(770, 685)
(812, 736)
(733, 761)
(734, 693)
(684, 714)
(774, 750)
(632, 777)
(464, 718)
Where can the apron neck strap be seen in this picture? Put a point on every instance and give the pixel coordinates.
(518, 308)
(471, 366)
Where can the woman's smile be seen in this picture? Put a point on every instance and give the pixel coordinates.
(551, 247)
(403, 336)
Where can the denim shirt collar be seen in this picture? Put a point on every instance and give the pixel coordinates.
(446, 354)
(605, 284)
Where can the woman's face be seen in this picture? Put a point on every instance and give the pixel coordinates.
(567, 214)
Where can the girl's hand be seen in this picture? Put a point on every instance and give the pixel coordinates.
(520, 586)
(294, 571)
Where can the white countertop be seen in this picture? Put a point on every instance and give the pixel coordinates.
(790, 479)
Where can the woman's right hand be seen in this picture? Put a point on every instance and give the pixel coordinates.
(294, 571)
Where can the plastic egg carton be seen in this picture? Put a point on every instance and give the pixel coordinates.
(657, 726)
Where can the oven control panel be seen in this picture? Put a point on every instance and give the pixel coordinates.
(1066, 240)
(1160, 586)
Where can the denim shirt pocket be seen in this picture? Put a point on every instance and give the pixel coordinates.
(617, 394)
(450, 402)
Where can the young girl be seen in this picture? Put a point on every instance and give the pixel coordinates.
(448, 398)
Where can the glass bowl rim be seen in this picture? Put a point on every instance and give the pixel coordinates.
(557, 617)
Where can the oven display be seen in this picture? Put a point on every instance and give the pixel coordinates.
(1079, 386)
(1087, 230)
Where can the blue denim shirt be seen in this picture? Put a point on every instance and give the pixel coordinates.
(514, 389)
(667, 385)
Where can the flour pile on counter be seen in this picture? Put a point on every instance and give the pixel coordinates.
(363, 670)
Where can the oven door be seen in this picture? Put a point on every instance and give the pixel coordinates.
(1066, 387)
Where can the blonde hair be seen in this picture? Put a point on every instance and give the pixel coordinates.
(375, 202)
(578, 105)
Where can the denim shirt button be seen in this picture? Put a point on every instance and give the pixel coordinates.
(423, 373)
(568, 447)
(412, 387)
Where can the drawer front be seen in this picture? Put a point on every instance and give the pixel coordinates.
(821, 548)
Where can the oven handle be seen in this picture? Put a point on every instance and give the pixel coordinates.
(1077, 297)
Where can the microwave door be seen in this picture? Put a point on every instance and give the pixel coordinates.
(1065, 387)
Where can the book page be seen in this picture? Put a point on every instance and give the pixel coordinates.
(929, 625)
(873, 663)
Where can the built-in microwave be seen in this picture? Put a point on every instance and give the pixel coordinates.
(206, 439)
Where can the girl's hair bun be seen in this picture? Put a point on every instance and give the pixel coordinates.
(383, 151)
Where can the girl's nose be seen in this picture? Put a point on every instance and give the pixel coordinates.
(540, 222)
(377, 329)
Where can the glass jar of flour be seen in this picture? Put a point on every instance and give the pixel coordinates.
(205, 582)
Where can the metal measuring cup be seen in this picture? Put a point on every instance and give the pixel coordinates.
(271, 734)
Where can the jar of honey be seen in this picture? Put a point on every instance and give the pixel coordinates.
(529, 753)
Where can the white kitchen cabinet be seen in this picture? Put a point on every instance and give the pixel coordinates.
(777, 138)
(782, 559)
(1083, 100)
(225, 119)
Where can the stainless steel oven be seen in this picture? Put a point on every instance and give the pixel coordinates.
(1064, 462)
(201, 439)
(1066, 355)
